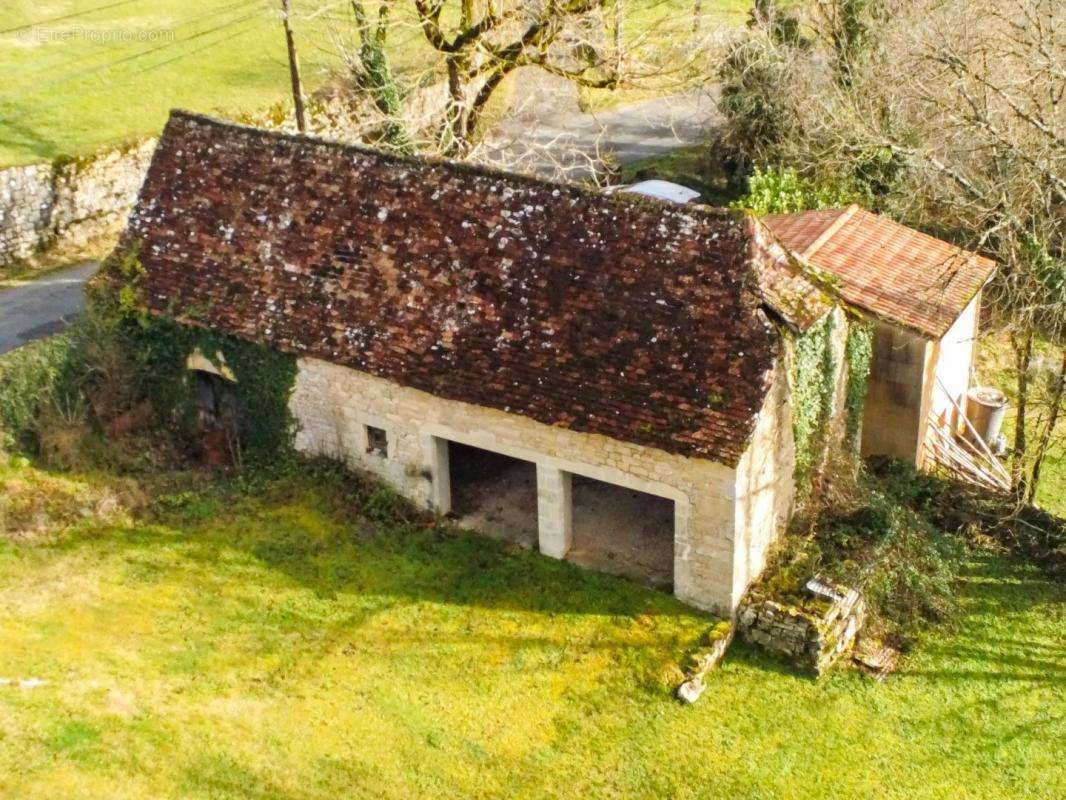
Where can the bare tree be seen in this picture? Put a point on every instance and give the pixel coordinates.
(486, 44)
(475, 45)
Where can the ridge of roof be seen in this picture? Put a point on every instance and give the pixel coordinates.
(835, 225)
(472, 168)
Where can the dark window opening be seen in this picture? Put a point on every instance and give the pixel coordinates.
(217, 418)
(377, 441)
(216, 402)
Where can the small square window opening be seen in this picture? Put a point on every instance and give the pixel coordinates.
(377, 441)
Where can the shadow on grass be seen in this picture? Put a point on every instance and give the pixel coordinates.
(994, 592)
(24, 137)
(308, 531)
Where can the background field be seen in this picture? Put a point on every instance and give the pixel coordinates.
(274, 642)
(76, 75)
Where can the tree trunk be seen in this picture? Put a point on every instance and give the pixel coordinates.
(456, 119)
(1023, 356)
(294, 69)
(1058, 391)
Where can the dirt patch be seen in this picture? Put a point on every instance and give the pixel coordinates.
(494, 494)
(616, 530)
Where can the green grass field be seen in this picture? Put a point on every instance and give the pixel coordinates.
(78, 75)
(73, 85)
(273, 643)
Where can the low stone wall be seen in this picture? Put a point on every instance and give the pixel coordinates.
(26, 198)
(705, 660)
(812, 636)
(68, 203)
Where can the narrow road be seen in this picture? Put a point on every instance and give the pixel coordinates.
(548, 134)
(42, 307)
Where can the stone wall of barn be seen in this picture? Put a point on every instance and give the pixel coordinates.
(894, 398)
(765, 488)
(334, 405)
(911, 377)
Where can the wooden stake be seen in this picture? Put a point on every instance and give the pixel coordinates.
(294, 69)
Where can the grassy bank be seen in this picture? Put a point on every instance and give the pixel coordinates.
(277, 642)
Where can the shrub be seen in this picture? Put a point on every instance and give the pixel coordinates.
(783, 191)
(869, 534)
(33, 378)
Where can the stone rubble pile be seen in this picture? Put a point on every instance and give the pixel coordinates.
(813, 637)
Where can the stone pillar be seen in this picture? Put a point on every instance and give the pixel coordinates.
(440, 493)
(703, 555)
(554, 511)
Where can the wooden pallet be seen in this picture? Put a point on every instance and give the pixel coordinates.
(966, 457)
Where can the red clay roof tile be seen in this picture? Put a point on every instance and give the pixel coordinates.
(896, 272)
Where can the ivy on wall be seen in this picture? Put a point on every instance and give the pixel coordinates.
(811, 375)
(160, 346)
(264, 381)
(858, 355)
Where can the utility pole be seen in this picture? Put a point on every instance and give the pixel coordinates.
(294, 69)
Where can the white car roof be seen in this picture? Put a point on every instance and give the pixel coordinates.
(662, 190)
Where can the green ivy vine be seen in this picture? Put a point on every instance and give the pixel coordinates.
(264, 381)
(858, 355)
(811, 376)
(160, 347)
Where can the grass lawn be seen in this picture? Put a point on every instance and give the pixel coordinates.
(93, 74)
(105, 76)
(273, 643)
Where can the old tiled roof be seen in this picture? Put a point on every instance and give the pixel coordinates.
(897, 273)
(631, 318)
(786, 285)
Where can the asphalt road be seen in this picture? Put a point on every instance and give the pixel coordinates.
(551, 135)
(42, 307)
(548, 134)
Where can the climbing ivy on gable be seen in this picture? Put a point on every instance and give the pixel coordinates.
(159, 347)
(858, 355)
(264, 380)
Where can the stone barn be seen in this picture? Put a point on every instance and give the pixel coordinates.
(469, 335)
(924, 295)
(604, 377)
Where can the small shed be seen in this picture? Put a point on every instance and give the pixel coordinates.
(924, 295)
